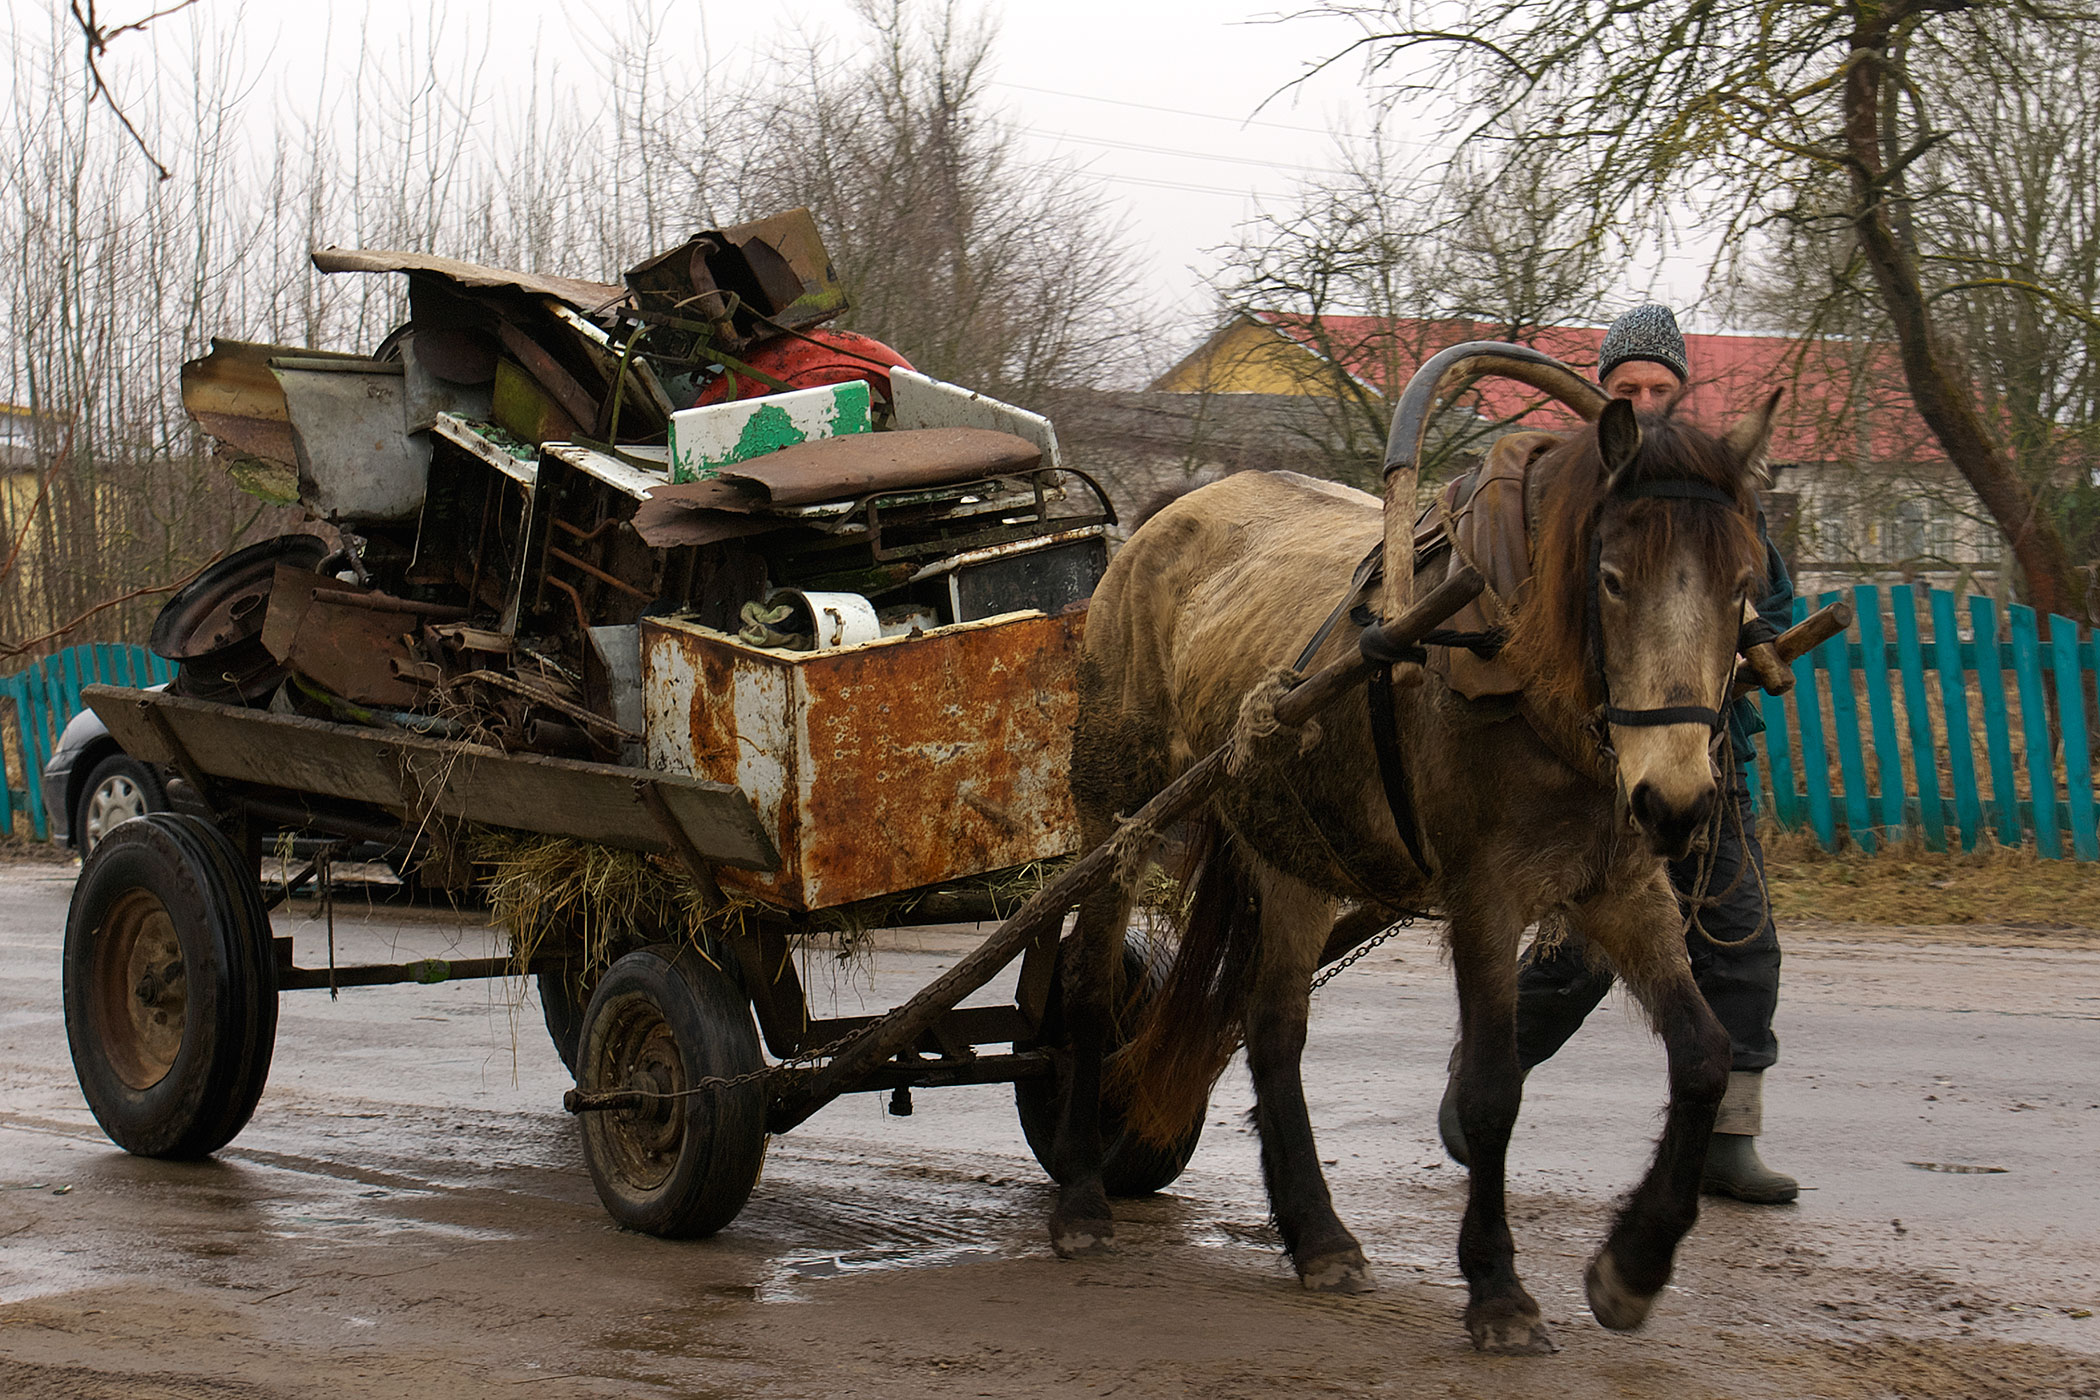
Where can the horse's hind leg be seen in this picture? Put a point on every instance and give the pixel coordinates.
(1500, 1315)
(1642, 936)
(1295, 921)
(1081, 1223)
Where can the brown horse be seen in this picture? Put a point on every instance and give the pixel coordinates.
(1644, 548)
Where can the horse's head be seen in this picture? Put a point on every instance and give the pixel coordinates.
(1647, 550)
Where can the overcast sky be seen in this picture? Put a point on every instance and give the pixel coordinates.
(1184, 109)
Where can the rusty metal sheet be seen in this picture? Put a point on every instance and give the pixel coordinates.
(831, 469)
(333, 635)
(583, 295)
(775, 268)
(880, 768)
(411, 776)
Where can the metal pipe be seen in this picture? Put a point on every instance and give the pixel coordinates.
(599, 574)
(427, 971)
(387, 603)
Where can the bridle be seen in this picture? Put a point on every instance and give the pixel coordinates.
(1669, 489)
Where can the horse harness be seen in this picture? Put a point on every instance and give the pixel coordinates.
(1431, 544)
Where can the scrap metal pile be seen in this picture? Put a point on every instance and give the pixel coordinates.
(507, 485)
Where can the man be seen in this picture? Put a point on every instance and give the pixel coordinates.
(1733, 946)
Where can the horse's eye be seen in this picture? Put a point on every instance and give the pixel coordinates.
(1613, 584)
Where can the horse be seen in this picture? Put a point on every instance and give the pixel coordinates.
(1560, 807)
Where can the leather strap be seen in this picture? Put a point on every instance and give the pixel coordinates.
(1385, 742)
(1661, 715)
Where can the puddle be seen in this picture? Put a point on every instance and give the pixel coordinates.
(796, 1269)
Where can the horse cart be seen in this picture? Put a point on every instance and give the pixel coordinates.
(819, 687)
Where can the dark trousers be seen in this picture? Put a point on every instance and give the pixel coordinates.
(1556, 991)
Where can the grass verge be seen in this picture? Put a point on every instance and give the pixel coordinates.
(1907, 884)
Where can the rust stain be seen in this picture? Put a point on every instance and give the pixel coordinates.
(896, 765)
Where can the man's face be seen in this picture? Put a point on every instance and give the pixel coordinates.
(1647, 383)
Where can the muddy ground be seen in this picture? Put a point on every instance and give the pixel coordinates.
(408, 1213)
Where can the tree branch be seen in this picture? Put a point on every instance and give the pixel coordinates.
(97, 39)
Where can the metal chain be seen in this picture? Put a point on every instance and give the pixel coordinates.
(1358, 952)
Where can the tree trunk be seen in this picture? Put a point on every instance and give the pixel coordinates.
(1944, 397)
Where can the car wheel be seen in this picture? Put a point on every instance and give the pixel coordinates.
(118, 789)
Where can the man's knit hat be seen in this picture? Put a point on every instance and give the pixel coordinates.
(1644, 333)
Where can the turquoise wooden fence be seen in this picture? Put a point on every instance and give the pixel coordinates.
(34, 707)
(1907, 727)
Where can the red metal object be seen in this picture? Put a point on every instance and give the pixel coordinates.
(827, 356)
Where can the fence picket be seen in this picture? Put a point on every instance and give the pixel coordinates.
(7, 795)
(2078, 763)
(46, 695)
(1844, 718)
(1779, 757)
(1954, 705)
(1881, 709)
(1815, 758)
(1925, 767)
(1997, 721)
(2034, 725)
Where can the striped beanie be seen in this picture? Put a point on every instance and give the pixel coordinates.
(1644, 333)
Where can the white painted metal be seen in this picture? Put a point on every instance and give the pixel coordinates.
(705, 440)
(921, 401)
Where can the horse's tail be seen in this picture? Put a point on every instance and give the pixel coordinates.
(1187, 1033)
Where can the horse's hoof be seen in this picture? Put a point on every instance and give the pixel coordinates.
(1615, 1304)
(1504, 1328)
(1344, 1271)
(1083, 1239)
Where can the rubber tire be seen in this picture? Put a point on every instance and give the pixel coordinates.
(562, 1009)
(229, 1013)
(717, 1139)
(116, 768)
(1131, 1166)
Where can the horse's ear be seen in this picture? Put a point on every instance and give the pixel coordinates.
(1618, 440)
(1752, 435)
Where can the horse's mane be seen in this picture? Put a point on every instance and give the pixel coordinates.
(1549, 642)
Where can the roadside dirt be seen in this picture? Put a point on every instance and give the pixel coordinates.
(408, 1214)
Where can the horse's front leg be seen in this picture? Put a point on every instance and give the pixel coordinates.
(1082, 1224)
(1500, 1315)
(1294, 925)
(1643, 937)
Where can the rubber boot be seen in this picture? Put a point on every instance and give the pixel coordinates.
(1733, 1167)
(1448, 1127)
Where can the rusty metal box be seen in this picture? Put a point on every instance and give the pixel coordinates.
(879, 768)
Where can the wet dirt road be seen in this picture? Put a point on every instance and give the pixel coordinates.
(408, 1213)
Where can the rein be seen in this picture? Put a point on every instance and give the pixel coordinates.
(1669, 489)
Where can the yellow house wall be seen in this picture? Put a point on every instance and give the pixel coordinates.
(1245, 358)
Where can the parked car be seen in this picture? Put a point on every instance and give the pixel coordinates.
(91, 784)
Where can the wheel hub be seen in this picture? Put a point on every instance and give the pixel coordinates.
(141, 989)
(117, 800)
(640, 1055)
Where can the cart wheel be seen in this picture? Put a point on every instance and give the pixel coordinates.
(562, 1003)
(170, 987)
(1132, 1166)
(661, 1020)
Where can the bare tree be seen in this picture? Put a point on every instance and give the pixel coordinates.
(1736, 114)
(979, 265)
(1373, 273)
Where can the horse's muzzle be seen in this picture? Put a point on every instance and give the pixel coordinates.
(1671, 824)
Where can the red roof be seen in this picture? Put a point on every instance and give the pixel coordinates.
(1830, 414)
